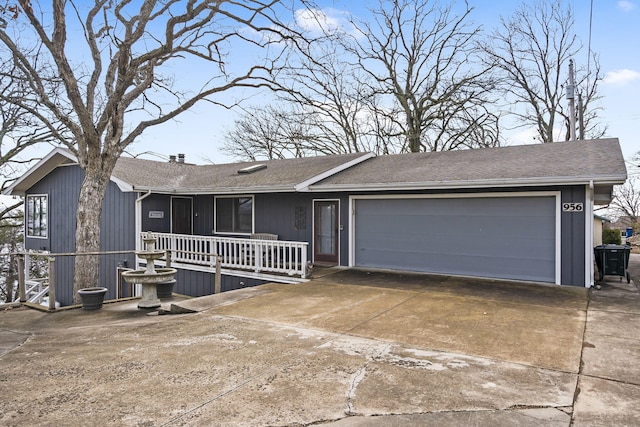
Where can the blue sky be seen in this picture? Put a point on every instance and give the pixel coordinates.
(615, 36)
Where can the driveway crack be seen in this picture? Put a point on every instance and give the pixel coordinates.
(358, 376)
(581, 364)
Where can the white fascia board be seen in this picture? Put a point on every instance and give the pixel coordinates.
(40, 170)
(216, 191)
(434, 185)
(304, 185)
(125, 187)
(48, 163)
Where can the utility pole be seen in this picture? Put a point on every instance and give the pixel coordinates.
(580, 117)
(572, 108)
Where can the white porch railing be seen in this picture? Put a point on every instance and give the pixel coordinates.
(35, 290)
(269, 256)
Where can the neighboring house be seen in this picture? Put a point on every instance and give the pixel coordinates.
(623, 224)
(598, 225)
(520, 213)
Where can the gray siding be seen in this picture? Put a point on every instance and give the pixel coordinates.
(117, 225)
(161, 203)
(573, 238)
(290, 216)
(198, 283)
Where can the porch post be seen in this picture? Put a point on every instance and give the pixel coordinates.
(22, 286)
(303, 260)
(52, 283)
(168, 257)
(217, 285)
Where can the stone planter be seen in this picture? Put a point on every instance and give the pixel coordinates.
(165, 289)
(92, 298)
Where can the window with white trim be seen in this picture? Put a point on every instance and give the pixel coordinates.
(234, 214)
(36, 215)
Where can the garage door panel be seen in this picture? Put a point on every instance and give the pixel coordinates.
(510, 237)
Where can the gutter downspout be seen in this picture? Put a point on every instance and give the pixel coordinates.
(588, 236)
(137, 290)
(139, 220)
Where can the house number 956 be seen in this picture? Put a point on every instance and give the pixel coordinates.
(572, 207)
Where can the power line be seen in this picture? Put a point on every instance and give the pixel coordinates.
(589, 44)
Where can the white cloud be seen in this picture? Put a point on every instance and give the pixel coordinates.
(621, 77)
(317, 21)
(626, 5)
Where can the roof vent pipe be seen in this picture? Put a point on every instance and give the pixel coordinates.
(180, 158)
(172, 159)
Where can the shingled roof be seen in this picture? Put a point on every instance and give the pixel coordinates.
(576, 162)
(580, 162)
(271, 176)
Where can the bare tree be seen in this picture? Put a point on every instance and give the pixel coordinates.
(272, 132)
(323, 107)
(530, 52)
(102, 70)
(11, 241)
(323, 81)
(19, 130)
(422, 61)
(626, 201)
(406, 81)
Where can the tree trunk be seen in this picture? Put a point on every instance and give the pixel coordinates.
(414, 133)
(92, 193)
(12, 274)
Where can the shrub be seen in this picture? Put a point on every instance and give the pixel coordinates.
(611, 235)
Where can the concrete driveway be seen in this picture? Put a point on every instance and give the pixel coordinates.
(348, 348)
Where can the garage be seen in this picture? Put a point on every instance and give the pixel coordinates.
(497, 236)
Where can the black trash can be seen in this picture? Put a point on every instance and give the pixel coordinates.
(612, 260)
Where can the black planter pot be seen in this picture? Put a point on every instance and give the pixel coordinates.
(165, 289)
(92, 298)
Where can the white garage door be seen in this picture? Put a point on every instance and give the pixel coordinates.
(501, 237)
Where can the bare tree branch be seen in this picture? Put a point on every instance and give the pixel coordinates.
(421, 56)
(96, 94)
(406, 81)
(530, 51)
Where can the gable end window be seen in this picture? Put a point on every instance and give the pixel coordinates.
(234, 214)
(36, 216)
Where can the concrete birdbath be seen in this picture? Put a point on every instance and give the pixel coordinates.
(151, 276)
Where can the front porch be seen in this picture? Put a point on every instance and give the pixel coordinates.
(277, 260)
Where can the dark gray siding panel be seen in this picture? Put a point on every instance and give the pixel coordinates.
(288, 215)
(276, 213)
(199, 283)
(158, 203)
(117, 229)
(118, 234)
(573, 238)
(502, 237)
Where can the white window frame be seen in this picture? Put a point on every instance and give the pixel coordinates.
(253, 214)
(28, 212)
